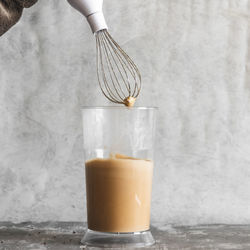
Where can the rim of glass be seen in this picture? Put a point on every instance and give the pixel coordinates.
(118, 107)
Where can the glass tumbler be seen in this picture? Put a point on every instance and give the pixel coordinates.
(118, 148)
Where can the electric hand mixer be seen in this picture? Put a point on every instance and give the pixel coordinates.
(118, 76)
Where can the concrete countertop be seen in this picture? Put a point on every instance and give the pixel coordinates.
(67, 235)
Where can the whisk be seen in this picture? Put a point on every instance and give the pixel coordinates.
(118, 76)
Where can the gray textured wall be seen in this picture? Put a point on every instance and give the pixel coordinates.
(194, 59)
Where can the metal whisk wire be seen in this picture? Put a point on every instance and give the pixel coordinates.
(118, 76)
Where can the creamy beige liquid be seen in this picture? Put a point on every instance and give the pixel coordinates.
(118, 194)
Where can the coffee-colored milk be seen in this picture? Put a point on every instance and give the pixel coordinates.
(118, 194)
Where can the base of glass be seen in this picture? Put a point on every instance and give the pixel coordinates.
(114, 240)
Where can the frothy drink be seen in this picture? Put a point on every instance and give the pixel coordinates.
(118, 194)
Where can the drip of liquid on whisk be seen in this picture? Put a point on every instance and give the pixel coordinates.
(129, 101)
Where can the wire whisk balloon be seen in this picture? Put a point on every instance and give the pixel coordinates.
(118, 76)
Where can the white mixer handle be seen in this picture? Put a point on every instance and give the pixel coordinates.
(92, 10)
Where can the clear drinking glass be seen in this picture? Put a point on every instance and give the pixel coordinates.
(118, 148)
